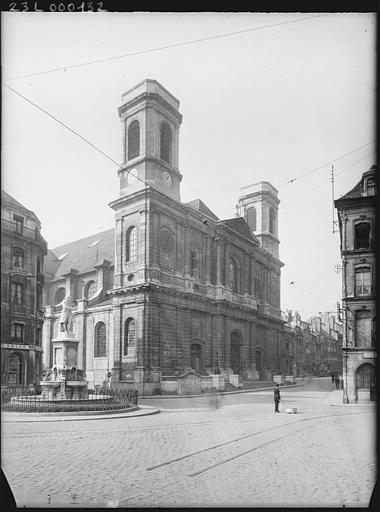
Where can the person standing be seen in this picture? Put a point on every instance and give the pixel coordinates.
(337, 382)
(277, 398)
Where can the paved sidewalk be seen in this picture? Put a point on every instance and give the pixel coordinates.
(212, 393)
(335, 398)
(17, 417)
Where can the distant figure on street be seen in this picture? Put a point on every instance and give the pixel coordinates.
(337, 382)
(333, 378)
(277, 398)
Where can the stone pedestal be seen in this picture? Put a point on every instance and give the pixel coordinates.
(64, 381)
(251, 374)
(65, 350)
(234, 380)
(278, 379)
(218, 382)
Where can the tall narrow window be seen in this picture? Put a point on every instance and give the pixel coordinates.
(39, 337)
(362, 281)
(196, 357)
(133, 140)
(271, 220)
(131, 244)
(17, 293)
(250, 217)
(17, 333)
(194, 263)
(19, 223)
(18, 257)
(129, 334)
(100, 345)
(233, 273)
(236, 352)
(362, 235)
(165, 143)
(38, 266)
(15, 369)
(363, 329)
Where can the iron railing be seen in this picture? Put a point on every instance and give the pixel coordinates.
(17, 229)
(23, 399)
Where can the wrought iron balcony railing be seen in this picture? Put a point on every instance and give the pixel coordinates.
(15, 228)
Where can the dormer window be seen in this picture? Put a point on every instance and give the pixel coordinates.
(371, 187)
(362, 235)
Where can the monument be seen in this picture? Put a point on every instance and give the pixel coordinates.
(65, 380)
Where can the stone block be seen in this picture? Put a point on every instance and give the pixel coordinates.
(278, 379)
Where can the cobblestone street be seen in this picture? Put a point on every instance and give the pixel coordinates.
(199, 452)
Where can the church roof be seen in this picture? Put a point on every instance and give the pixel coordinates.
(239, 225)
(82, 254)
(200, 205)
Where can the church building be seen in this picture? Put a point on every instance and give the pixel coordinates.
(172, 288)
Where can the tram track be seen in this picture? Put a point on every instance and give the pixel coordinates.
(242, 438)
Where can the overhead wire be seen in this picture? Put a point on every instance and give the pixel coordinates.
(174, 45)
(327, 180)
(324, 165)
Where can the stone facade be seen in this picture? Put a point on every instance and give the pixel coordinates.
(356, 213)
(22, 280)
(172, 288)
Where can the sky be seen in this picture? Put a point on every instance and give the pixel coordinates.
(283, 97)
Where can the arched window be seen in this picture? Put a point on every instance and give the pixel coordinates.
(60, 294)
(250, 217)
(131, 244)
(194, 262)
(362, 235)
(100, 342)
(362, 281)
(15, 370)
(272, 216)
(90, 289)
(196, 357)
(165, 143)
(133, 140)
(236, 352)
(365, 377)
(129, 334)
(233, 275)
(363, 328)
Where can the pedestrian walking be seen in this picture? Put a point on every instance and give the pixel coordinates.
(332, 377)
(277, 398)
(337, 382)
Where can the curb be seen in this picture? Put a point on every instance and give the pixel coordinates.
(18, 417)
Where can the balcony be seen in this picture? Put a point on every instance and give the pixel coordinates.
(15, 228)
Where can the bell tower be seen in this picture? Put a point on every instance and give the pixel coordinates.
(150, 122)
(259, 206)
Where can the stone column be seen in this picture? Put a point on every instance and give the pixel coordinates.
(246, 274)
(119, 253)
(208, 259)
(219, 261)
(47, 335)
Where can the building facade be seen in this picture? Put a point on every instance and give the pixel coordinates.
(172, 288)
(315, 345)
(356, 214)
(22, 280)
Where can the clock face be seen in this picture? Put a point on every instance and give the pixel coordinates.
(168, 180)
(132, 176)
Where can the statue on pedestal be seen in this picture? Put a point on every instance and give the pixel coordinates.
(66, 318)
